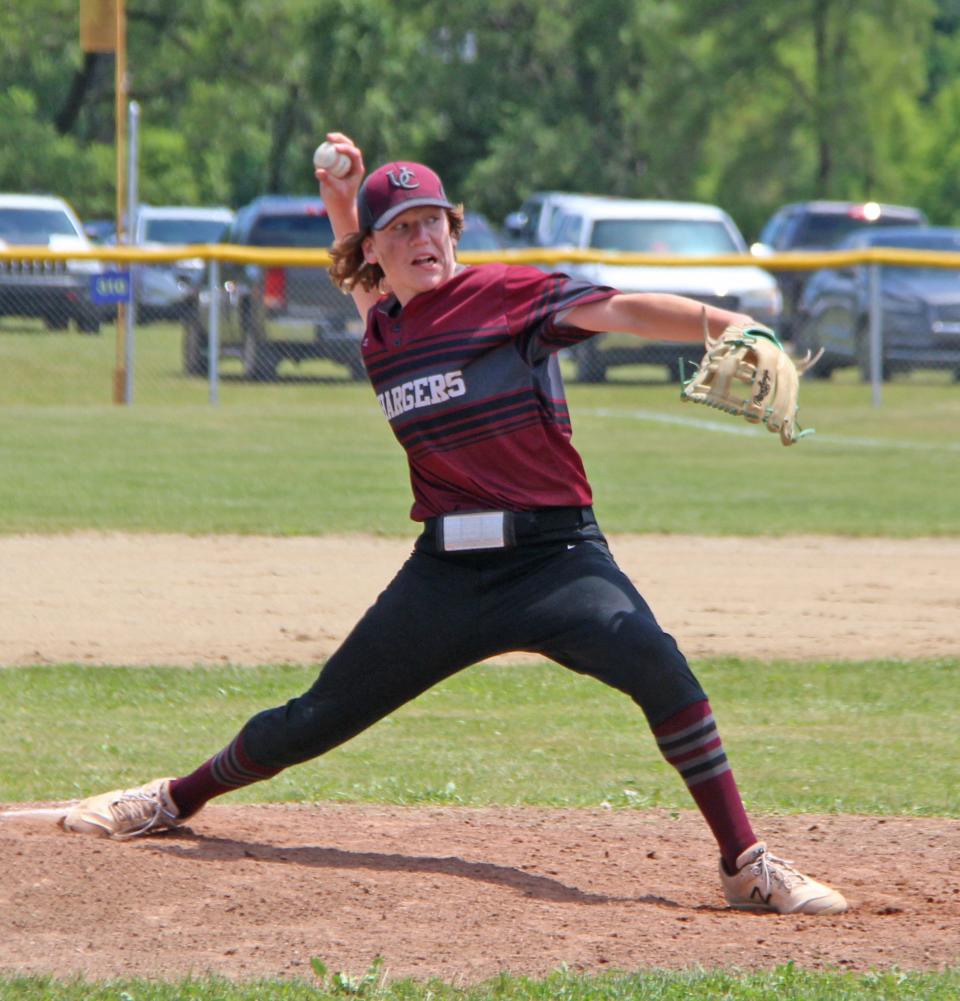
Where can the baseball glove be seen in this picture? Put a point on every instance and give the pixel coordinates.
(751, 355)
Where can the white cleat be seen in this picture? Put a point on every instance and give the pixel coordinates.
(764, 882)
(125, 813)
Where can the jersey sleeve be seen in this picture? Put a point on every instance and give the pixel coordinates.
(534, 300)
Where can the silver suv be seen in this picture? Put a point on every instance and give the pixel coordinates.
(162, 289)
(55, 291)
(674, 229)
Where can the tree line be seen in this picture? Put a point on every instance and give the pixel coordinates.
(747, 104)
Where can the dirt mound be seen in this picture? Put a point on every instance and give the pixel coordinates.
(458, 893)
(461, 894)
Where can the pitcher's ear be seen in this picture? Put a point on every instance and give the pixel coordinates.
(369, 254)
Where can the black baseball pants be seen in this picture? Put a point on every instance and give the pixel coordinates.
(559, 594)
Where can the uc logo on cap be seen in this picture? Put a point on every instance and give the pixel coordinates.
(406, 178)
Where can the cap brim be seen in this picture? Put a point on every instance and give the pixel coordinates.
(412, 203)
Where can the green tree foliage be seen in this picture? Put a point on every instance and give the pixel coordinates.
(818, 98)
(748, 104)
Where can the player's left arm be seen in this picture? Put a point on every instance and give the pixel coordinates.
(654, 315)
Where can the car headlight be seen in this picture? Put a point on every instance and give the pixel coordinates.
(762, 300)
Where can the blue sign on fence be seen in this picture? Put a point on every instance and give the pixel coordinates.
(110, 287)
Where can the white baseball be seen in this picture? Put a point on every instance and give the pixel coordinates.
(336, 163)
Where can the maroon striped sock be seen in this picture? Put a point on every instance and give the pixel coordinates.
(690, 741)
(227, 770)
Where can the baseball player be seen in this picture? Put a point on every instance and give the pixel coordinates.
(463, 362)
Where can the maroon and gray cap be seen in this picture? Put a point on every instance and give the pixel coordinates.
(394, 188)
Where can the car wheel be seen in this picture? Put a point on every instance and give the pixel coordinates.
(807, 343)
(863, 356)
(56, 319)
(589, 365)
(196, 348)
(88, 324)
(259, 358)
(819, 372)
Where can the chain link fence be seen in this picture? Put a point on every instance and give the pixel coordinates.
(129, 325)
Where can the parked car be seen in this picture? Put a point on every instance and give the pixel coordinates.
(919, 307)
(478, 234)
(269, 313)
(160, 290)
(820, 225)
(684, 229)
(101, 231)
(55, 291)
(532, 225)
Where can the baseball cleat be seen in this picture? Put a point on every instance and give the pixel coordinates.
(764, 882)
(125, 813)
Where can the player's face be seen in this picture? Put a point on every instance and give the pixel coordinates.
(415, 251)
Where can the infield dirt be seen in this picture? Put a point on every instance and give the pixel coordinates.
(454, 892)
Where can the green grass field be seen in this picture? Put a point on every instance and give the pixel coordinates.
(312, 454)
(498, 735)
(784, 984)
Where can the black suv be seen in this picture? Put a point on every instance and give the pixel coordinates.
(820, 225)
(272, 312)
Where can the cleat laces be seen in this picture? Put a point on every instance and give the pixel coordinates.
(770, 869)
(137, 812)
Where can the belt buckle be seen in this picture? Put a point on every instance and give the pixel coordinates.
(475, 530)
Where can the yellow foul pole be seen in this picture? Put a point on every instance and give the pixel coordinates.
(103, 28)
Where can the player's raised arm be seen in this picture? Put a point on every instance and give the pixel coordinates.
(338, 167)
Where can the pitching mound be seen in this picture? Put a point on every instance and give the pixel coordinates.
(460, 894)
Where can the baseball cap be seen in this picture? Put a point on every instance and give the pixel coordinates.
(394, 188)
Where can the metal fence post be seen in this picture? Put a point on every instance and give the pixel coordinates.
(875, 334)
(130, 315)
(213, 335)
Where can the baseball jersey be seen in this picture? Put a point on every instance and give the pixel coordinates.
(468, 377)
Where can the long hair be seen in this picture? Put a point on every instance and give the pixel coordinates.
(350, 268)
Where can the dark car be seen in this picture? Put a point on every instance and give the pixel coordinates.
(102, 232)
(919, 307)
(269, 313)
(820, 225)
(478, 234)
(533, 224)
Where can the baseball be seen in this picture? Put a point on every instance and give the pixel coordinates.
(327, 157)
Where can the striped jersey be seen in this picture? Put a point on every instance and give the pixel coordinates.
(468, 377)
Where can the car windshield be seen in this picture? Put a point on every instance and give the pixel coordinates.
(683, 237)
(292, 231)
(826, 230)
(34, 226)
(184, 230)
